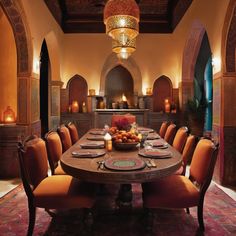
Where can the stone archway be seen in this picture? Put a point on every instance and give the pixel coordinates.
(113, 61)
(14, 12)
(225, 87)
(190, 54)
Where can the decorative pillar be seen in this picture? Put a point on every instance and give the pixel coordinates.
(55, 103)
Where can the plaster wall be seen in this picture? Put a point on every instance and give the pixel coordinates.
(156, 54)
(8, 66)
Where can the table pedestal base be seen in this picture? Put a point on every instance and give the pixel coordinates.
(125, 196)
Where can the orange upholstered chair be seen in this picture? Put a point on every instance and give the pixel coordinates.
(49, 192)
(54, 151)
(115, 119)
(64, 134)
(163, 128)
(73, 132)
(178, 191)
(180, 138)
(170, 133)
(187, 153)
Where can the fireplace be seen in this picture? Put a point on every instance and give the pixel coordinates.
(119, 89)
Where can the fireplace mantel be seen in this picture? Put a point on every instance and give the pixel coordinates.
(103, 116)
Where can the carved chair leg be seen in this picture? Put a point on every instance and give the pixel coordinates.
(32, 214)
(200, 216)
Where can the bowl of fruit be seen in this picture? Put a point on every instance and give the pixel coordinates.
(125, 140)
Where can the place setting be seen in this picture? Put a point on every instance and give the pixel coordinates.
(88, 153)
(92, 145)
(155, 153)
(160, 144)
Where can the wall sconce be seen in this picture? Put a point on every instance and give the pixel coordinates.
(148, 91)
(216, 64)
(9, 116)
(74, 106)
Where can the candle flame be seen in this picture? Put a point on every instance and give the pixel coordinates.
(124, 99)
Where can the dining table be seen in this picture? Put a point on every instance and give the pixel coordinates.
(89, 161)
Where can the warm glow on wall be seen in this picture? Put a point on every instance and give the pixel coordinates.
(216, 64)
(36, 66)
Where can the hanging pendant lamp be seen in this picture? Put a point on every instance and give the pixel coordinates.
(121, 18)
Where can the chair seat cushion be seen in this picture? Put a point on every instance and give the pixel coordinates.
(64, 191)
(175, 191)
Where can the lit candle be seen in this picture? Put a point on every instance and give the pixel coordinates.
(84, 108)
(9, 115)
(108, 142)
(75, 106)
(167, 106)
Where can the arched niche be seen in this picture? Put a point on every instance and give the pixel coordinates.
(162, 89)
(15, 14)
(78, 90)
(124, 84)
(129, 64)
(229, 39)
(8, 66)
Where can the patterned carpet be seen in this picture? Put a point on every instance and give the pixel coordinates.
(219, 217)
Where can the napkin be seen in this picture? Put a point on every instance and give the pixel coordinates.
(159, 143)
(96, 138)
(156, 153)
(83, 153)
(97, 132)
(152, 136)
(92, 145)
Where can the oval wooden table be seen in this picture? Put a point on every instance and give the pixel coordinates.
(87, 169)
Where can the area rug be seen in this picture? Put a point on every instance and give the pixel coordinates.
(219, 217)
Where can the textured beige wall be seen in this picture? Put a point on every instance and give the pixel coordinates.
(156, 54)
(8, 67)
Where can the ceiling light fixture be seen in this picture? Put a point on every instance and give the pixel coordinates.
(121, 18)
(123, 51)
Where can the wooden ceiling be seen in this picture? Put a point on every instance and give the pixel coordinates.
(86, 16)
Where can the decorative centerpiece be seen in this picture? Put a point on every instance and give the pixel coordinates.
(125, 136)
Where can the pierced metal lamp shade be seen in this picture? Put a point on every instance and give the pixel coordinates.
(121, 18)
(123, 51)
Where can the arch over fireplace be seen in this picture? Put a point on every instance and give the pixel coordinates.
(129, 64)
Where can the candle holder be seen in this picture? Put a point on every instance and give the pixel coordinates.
(74, 107)
(9, 116)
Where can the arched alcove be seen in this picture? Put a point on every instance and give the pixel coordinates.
(8, 66)
(118, 82)
(44, 88)
(129, 64)
(162, 89)
(16, 17)
(78, 90)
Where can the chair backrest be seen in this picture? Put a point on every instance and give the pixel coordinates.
(163, 128)
(203, 162)
(74, 135)
(180, 138)
(188, 150)
(117, 118)
(54, 149)
(170, 133)
(33, 162)
(64, 134)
